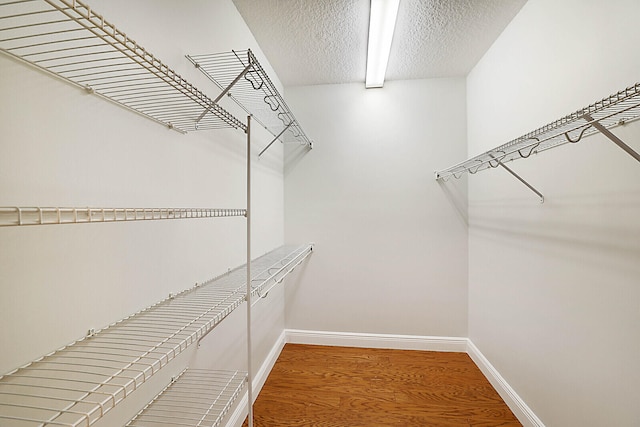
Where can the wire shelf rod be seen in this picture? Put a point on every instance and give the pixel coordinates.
(61, 49)
(64, 49)
(37, 24)
(66, 38)
(79, 55)
(120, 72)
(49, 42)
(112, 88)
(40, 34)
(615, 110)
(95, 366)
(45, 408)
(123, 76)
(36, 368)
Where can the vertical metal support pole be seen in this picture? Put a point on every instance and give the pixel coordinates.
(606, 132)
(248, 297)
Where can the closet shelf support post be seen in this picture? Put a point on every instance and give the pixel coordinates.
(248, 295)
(606, 132)
(519, 178)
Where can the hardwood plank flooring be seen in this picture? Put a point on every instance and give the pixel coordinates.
(319, 386)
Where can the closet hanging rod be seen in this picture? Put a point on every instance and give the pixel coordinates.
(18, 216)
(195, 398)
(67, 39)
(240, 76)
(615, 110)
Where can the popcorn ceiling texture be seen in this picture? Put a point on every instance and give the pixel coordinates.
(325, 41)
(311, 41)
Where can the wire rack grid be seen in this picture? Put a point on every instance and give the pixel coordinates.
(81, 382)
(276, 273)
(69, 40)
(16, 216)
(617, 109)
(196, 398)
(254, 92)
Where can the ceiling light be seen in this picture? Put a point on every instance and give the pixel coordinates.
(382, 22)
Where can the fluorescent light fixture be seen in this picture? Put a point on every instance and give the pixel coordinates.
(382, 22)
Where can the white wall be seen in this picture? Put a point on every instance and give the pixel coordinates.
(554, 295)
(63, 147)
(391, 243)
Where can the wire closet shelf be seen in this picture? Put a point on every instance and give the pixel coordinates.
(612, 111)
(69, 40)
(16, 216)
(239, 74)
(262, 284)
(81, 382)
(197, 398)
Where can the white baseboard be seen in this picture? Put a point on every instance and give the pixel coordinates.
(519, 408)
(260, 377)
(238, 416)
(398, 342)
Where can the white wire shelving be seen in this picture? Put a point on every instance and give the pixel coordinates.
(240, 76)
(80, 383)
(276, 273)
(197, 398)
(615, 110)
(69, 40)
(17, 216)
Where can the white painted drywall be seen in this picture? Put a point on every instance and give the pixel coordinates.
(391, 243)
(63, 147)
(554, 289)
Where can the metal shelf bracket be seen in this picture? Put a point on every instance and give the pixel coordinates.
(274, 139)
(606, 132)
(519, 178)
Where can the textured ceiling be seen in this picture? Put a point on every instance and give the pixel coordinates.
(325, 41)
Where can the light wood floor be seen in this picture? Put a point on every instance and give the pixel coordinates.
(348, 387)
